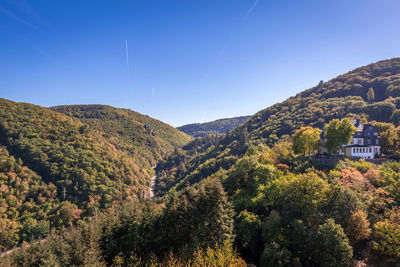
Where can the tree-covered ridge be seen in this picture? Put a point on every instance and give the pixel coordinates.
(146, 140)
(69, 154)
(338, 97)
(383, 77)
(346, 95)
(76, 172)
(213, 127)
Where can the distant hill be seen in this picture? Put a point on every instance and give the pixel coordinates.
(57, 169)
(213, 127)
(145, 139)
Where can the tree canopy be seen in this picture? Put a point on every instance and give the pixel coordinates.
(306, 140)
(338, 133)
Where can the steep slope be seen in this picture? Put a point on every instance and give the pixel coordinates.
(346, 95)
(23, 194)
(55, 169)
(145, 139)
(213, 127)
(69, 154)
(338, 97)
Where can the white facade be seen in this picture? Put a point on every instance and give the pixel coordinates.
(365, 142)
(366, 152)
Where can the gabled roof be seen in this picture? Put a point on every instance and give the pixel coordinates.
(364, 130)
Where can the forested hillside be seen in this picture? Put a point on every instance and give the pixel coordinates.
(221, 200)
(57, 169)
(346, 95)
(292, 210)
(213, 127)
(146, 140)
(27, 203)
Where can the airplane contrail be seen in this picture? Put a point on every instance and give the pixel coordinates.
(250, 10)
(126, 54)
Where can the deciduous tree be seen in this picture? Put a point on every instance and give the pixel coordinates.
(338, 133)
(306, 140)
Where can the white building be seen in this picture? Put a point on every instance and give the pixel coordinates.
(365, 143)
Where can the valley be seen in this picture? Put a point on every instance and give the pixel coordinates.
(204, 133)
(111, 187)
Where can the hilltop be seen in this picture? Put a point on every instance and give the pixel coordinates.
(220, 126)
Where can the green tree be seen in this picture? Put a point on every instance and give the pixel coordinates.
(67, 213)
(358, 226)
(275, 255)
(387, 237)
(299, 196)
(306, 140)
(338, 133)
(389, 139)
(370, 94)
(332, 245)
(247, 228)
(197, 218)
(244, 137)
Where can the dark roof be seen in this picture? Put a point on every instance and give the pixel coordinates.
(365, 130)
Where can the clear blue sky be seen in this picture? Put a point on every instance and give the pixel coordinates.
(189, 61)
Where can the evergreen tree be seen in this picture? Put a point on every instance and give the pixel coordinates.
(198, 218)
(371, 94)
(333, 247)
(244, 137)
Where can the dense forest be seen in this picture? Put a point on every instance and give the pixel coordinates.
(213, 127)
(255, 195)
(368, 93)
(56, 169)
(146, 140)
